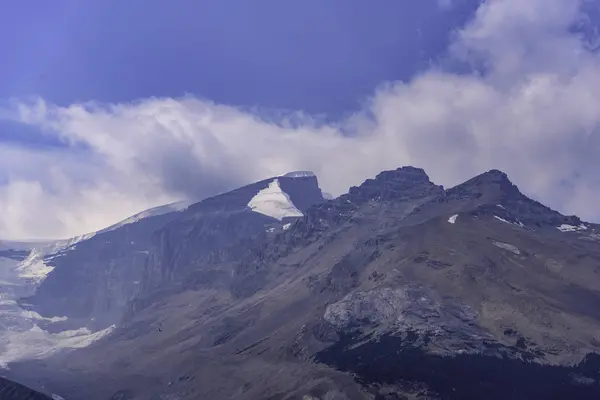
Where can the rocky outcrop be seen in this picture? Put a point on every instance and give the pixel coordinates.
(406, 308)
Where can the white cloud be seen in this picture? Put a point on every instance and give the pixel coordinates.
(534, 114)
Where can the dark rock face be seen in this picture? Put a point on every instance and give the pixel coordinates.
(398, 361)
(100, 277)
(303, 190)
(219, 231)
(13, 391)
(400, 184)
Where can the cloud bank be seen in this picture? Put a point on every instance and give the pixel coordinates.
(531, 110)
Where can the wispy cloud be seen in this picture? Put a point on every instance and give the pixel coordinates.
(533, 112)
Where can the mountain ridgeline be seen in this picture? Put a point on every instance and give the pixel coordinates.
(94, 281)
(272, 292)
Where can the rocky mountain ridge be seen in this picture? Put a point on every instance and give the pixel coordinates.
(397, 266)
(94, 282)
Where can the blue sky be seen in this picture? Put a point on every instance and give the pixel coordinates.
(108, 107)
(313, 55)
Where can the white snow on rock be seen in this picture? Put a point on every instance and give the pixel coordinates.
(452, 219)
(34, 267)
(299, 174)
(507, 246)
(571, 228)
(153, 212)
(21, 337)
(32, 315)
(274, 202)
(287, 226)
(501, 219)
(36, 343)
(518, 223)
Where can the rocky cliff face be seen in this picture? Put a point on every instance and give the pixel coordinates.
(94, 282)
(199, 249)
(397, 289)
(97, 277)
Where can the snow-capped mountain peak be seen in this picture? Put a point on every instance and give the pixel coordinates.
(274, 202)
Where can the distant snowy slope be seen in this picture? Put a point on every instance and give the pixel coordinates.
(35, 266)
(24, 266)
(152, 212)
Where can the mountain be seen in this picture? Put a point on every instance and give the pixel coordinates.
(13, 391)
(24, 333)
(92, 283)
(35, 257)
(398, 289)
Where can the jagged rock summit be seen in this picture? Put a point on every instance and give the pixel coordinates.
(493, 190)
(402, 183)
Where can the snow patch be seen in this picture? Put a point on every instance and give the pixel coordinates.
(571, 228)
(274, 202)
(153, 212)
(35, 343)
(452, 219)
(21, 333)
(32, 315)
(34, 267)
(502, 219)
(509, 247)
(299, 174)
(286, 226)
(518, 223)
